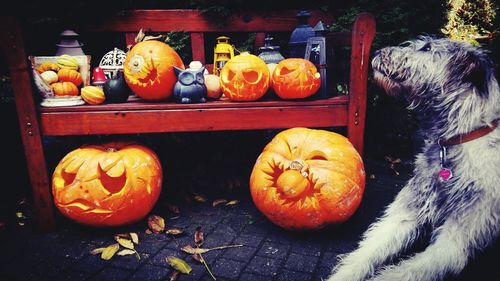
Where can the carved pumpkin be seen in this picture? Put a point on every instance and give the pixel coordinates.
(107, 185)
(295, 78)
(307, 179)
(245, 78)
(149, 71)
(64, 89)
(70, 75)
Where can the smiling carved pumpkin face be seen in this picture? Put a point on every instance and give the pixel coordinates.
(148, 69)
(295, 78)
(245, 78)
(306, 179)
(107, 185)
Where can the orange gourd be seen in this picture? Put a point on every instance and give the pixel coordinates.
(107, 185)
(149, 71)
(245, 78)
(306, 179)
(64, 89)
(70, 75)
(295, 78)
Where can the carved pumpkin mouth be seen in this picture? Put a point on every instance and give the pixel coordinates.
(143, 72)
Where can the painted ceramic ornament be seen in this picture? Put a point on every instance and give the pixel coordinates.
(190, 86)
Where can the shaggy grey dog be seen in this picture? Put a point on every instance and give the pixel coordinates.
(454, 195)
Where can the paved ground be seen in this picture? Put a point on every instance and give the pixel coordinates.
(268, 252)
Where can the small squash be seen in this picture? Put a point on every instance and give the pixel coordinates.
(67, 61)
(70, 75)
(48, 66)
(49, 76)
(93, 95)
(64, 89)
(306, 179)
(107, 185)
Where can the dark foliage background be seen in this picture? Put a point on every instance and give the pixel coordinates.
(223, 157)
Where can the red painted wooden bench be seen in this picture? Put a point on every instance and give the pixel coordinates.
(139, 117)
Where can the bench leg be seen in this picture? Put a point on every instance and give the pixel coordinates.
(11, 43)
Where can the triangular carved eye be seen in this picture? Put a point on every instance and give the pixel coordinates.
(287, 70)
(229, 76)
(251, 76)
(112, 184)
(68, 178)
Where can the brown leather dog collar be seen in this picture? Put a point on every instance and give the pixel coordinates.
(479, 132)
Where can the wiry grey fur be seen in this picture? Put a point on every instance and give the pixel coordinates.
(452, 88)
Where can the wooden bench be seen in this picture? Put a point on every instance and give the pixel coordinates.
(140, 117)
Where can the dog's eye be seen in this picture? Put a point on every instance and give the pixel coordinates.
(426, 48)
(405, 44)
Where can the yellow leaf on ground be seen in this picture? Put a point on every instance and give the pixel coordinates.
(110, 251)
(179, 265)
(126, 243)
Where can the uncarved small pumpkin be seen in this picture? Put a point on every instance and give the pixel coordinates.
(107, 185)
(70, 75)
(64, 89)
(306, 179)
(93, 95)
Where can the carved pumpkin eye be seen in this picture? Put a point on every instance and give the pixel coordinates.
(251, 76)
(112, 184)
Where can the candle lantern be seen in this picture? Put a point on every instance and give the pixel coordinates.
(299, 36)
(270, 53)
(316, 53)
(223, 52)
(112, 62)
(69, 44)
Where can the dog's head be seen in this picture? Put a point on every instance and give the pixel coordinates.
(428, 65)
(447, 79)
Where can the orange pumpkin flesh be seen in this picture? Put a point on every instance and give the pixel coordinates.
(109, 185)
(149, 71)
(295, 78)
(307, 179)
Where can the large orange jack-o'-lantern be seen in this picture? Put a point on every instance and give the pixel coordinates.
(149, 71)
(307, 179)
(245, 78)
(107, 185)
(295, 78)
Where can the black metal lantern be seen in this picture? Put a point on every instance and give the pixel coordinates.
(270, 53)
(69, 44)
(316, 53)
(299, 36)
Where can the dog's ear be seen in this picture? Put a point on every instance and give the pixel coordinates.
(475, 69)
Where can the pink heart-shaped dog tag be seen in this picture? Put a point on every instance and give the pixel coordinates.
(445, 174)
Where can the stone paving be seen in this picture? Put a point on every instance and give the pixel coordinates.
(268, 252)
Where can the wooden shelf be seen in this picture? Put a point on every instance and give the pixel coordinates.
(137, 116)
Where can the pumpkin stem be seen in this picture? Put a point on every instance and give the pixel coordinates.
(300, 166)
(111, 149)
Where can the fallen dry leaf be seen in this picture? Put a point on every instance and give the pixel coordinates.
(175, 275)
(174, 231)
(198, 237)
(200, 198)
(126, 243)
(156, 223)
(125, 252)
(148, 231)
(134, 237)
(110, 251)
(97, 251)
(232, 202)
(190, 250)
(218, 202)
(178, 264)
(197, 258)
